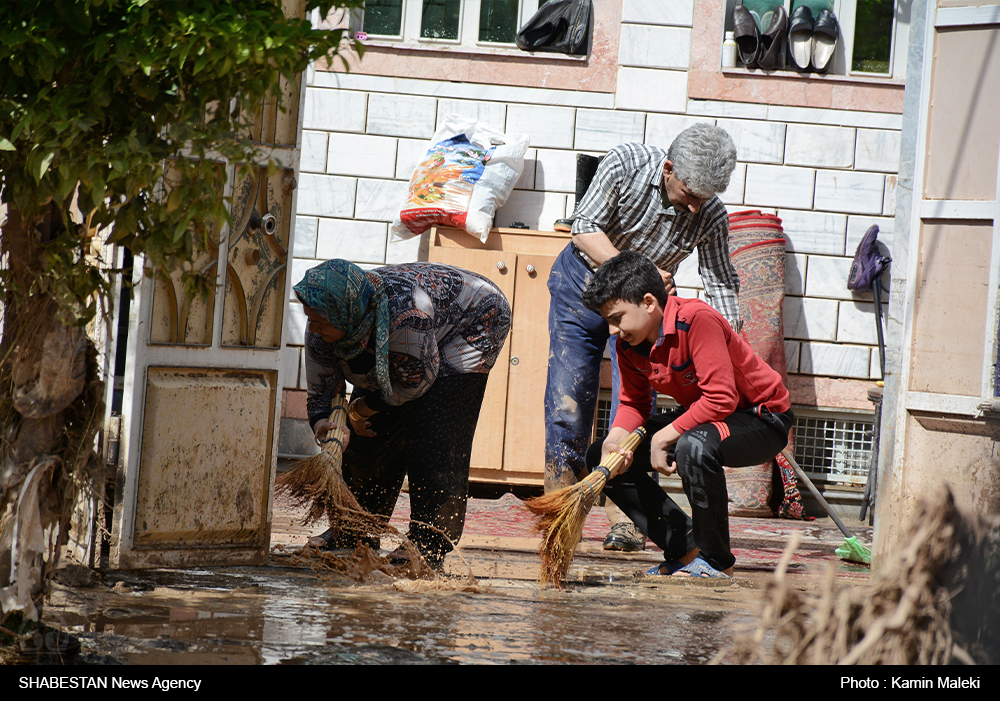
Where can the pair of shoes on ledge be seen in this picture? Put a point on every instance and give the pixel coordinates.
(812, 43)
(761, 49)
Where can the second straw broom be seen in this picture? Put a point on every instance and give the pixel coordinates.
(318, 480)
(562, 513)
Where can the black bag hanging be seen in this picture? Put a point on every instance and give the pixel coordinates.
(559, 26)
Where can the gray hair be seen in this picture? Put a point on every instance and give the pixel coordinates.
(704, 157)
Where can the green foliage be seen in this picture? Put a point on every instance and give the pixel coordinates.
(101, 99)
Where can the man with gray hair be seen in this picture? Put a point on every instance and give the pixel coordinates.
(663, 204)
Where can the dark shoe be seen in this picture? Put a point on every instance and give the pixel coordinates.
(563, 225)
(746, 35)
(625, 537)
(826, 32)
(800, 34)
(772, 42)
(327, 541)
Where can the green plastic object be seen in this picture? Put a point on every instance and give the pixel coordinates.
(853, 551)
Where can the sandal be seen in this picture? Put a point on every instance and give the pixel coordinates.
(699, 568)
(671, 565)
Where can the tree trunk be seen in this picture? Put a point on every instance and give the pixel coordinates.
(50, 408)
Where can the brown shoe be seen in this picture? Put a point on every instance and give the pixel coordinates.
(625, 537)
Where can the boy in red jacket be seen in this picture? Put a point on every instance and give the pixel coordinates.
(734, 411)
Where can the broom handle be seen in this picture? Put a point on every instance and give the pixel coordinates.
(338, 417)
(614, 461)
(815, 492)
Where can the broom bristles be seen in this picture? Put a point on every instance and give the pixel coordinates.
(561, 516)
(562, 513)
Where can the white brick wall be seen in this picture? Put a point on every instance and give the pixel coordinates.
(828, 174)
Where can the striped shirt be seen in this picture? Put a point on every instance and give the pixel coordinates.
(625, 202)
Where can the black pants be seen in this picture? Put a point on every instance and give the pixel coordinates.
(700, 454)
(429, 440)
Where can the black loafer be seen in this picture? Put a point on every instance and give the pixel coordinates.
(800, 34)
(746, 35)
(826, 32)
(772, 42)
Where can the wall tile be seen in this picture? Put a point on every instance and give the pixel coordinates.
(734, 193)
(814, 232)
(756, 141)
(409, 154)
(379, 200)
(827, 277)
(810, 319)
(355, 154)
(877, 150)
(305, 237)
(555, 171)
(350, 239)
(313, 152)
(290, 366)
(493, 114)
(303, 382)
(792, 355)
(779, 186)
(687, 274)
(646, 46)
(856, 323)
(526, 181)
(539, 210)
(547, 127)
(296, 317)
(847, 191)
(834, 360)
(326, 195)
(401, 115)
(732, 110)
(837, 118)
(674, 12)
(407, 250)
(652, 90)
(662, 129)
(795, 273)
(829, 147)
(600, 130)
(335, 110)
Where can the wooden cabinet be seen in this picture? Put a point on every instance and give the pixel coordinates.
(510, 437)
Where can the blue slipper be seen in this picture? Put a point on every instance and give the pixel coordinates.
(671, 565)
(699, 568)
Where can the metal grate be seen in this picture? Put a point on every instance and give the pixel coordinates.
(835, 448)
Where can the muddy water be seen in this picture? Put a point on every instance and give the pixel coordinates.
(280, 615)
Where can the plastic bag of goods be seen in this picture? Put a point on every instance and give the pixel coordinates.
(466, 174)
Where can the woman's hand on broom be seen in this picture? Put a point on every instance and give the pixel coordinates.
(612, 444)
(659, 448)
(323, 430)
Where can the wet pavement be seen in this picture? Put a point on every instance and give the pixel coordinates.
(488, 610)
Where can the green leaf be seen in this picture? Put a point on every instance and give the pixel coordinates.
(6, 145)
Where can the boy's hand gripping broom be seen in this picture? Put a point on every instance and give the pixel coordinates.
(318, 480)
(562, 513)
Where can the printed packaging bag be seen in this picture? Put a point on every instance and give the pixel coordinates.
(467, 173)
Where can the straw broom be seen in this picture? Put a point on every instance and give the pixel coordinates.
(318, 480)
(562, 513)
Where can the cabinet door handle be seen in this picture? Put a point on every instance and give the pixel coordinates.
(501, 265)
(530, 268)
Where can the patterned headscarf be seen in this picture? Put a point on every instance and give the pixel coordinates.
(354, 302)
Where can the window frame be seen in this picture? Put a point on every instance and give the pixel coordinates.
(468, 26)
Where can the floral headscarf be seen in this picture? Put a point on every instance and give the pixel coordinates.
(354, 302)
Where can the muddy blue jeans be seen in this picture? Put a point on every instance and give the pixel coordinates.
(577, 337)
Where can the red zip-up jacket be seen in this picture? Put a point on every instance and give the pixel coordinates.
(699, 361)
